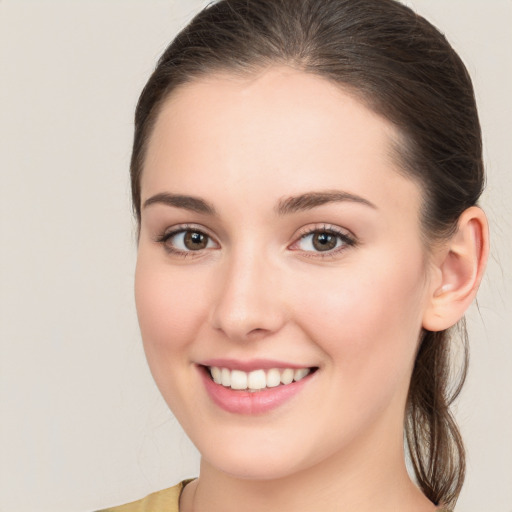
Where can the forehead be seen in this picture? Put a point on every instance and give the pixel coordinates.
(291, 129)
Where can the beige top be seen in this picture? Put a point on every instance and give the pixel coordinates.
(167, 500)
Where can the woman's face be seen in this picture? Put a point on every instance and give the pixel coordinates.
(278, 239)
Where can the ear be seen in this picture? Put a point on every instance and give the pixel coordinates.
(458, 267)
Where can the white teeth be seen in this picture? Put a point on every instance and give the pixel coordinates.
(216, 374)
(287, 376)
(238, 379)
(225, 377)
(300, 374)
(273, 378)
(257, 379)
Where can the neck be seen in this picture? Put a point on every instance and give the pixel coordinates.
(367, 477)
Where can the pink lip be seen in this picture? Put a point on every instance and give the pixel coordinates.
(251, 403)
(253, 364)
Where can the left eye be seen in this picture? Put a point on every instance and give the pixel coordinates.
(189, 240)
(321, 241)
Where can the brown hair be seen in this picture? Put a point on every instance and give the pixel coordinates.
(404, 69)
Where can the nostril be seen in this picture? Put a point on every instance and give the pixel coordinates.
(257, 330)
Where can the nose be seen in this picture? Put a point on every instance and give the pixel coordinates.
(248, 303)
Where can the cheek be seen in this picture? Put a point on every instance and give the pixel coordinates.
(169, 308)
(367, 319)
(170, 313)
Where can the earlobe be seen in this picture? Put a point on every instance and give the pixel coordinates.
(459, 269)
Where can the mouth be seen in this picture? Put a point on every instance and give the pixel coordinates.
(256, 380)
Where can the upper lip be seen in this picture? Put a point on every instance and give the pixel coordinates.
(252, 364)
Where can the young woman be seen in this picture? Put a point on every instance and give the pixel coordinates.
(305, 175)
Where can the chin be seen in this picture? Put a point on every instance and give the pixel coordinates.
(257, 470)
(256, 460)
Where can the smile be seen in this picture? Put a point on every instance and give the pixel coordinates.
(257, 389)
(256, 380)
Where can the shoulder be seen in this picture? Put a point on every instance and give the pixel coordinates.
(166, 500)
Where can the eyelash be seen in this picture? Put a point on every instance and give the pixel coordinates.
(346, 238)
(167, 235)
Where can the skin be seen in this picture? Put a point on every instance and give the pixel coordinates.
(259, 290)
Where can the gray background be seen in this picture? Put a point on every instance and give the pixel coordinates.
(81, 422)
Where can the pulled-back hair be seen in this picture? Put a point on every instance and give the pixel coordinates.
(402, 68)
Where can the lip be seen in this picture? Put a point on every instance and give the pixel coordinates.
(248, 402)
(253, 364)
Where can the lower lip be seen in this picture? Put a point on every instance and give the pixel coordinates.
(247, 402)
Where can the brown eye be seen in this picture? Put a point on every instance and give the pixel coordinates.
(323, 241)
(186, 241)
(195, 240)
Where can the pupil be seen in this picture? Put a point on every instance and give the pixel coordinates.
(324, 241)
(195, 240)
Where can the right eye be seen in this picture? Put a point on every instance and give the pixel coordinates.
(185, 241)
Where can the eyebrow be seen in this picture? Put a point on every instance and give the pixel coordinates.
(292, 204)
(311, 200)
(194, 204)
